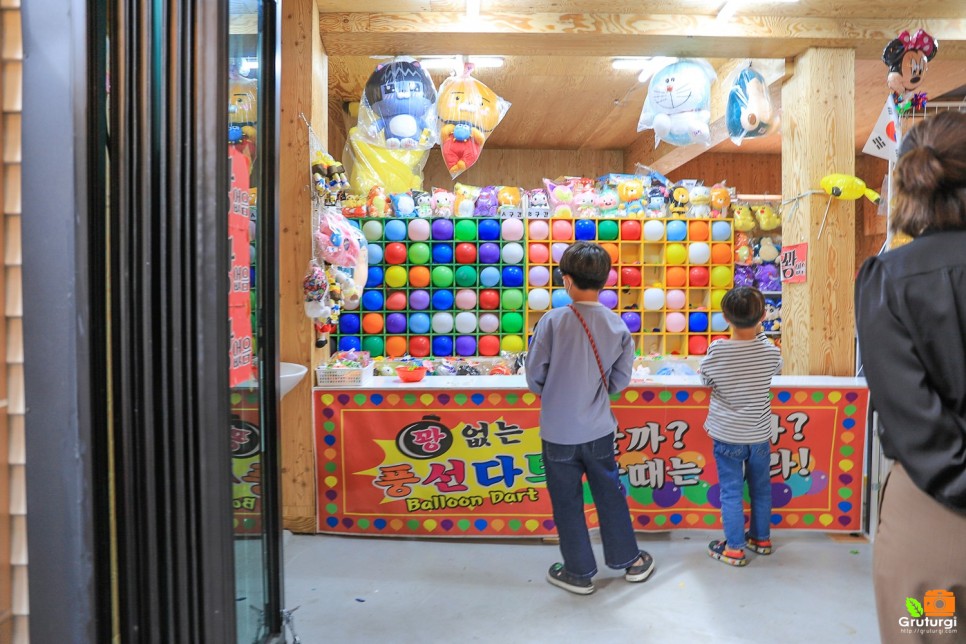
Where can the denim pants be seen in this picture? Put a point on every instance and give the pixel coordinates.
(735, 464)
(565, 466)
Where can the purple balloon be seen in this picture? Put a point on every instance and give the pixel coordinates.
(609, 299)
(667, 495)
(781, 494)
(489, 253)
(442, 229)
(396, 323)
(633, 321)
(539, 276)
(419, 300)
(466, 345)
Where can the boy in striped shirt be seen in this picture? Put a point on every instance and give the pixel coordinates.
(739, 372)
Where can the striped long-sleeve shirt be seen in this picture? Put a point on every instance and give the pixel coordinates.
(739, 373)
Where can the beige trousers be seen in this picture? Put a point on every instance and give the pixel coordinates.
(920, 547)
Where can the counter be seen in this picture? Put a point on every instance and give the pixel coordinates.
(460, 456)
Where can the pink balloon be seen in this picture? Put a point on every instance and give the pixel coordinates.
(675, 322)
(675, 299)
(465, 299)
(612, 278)
(539, 230)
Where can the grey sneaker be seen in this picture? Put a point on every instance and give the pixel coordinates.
(558, 576)
(640, 571)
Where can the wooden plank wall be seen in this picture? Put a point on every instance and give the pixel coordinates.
(13, 500)
(870, 227)
(748, 173)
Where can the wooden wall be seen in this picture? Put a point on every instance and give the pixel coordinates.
(13, 498)
(870, 227)
(748, 173)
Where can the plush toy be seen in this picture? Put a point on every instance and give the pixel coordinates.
(423, 202)
(370, 165)
(767, 218)
(468, 112)
(749, 112)
(561, 197)
(607, 202)
(680, 200)
(773, 314)
(907, 57)
(630, 192)
(403, 205)
(744, 275)
(465, 202)
(767, 251)
(336, 241)
(488, 202)
(399, 106)
(656, 205)
(443, 203)
(538, 206)
(744, 220)
(328, 174)
(700, 197)
(677, 106)
(377, 204)
(844, 186)
(354, 206)
(510, 199)
(743, 251)
(584, 199)
(720, 200)
(315, 288)
(767, 278)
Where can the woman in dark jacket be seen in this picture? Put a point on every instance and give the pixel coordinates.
(910, 306)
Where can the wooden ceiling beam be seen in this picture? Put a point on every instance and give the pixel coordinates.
(611, 34)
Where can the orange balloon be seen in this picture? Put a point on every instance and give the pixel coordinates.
(676, 276)
(613, 251)
(419, 276)
(720, 254)
(698, 231)
(372, 323)
(395, 346)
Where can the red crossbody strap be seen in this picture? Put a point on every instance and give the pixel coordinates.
(593, 345)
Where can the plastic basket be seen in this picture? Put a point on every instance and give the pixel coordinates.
(327, 376)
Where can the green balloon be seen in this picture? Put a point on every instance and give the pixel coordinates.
(419, 253)
(442, 276)
(512, 299)
(607, 230)
(466, 276)
(466, 230)
(511, 323)
(374, 345)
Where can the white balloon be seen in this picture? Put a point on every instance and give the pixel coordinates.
(699, 253)
(442, 322)
(512, 253)
(465, 322)
(489, 323)
(654, 299)
(653, 230)
(539, 299)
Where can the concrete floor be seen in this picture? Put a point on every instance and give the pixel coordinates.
(814, 588)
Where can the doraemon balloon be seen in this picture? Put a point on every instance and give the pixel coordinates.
(677, 106)
(398, 109)
(749, 113)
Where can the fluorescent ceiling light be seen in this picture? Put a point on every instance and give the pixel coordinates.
(455, 63)
(730, 6)
(486, 61)
(630, 63)
(473, 9)
(647, 65)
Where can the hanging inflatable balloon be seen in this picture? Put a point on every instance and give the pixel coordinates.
(749, 113)
(468, 112)
(398, 108)
(678, 102)
(906, 57)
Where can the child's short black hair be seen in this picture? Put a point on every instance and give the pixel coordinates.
(743, 307)
(587, 264)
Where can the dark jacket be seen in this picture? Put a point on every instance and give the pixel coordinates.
(910, 309)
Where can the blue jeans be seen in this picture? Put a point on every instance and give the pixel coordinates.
(735, 463)
(565, 466)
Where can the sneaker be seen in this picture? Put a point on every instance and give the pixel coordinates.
(761, 546)
(719, 550)
(558, 576)
(640, 571)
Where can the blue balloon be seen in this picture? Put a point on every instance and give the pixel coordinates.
(372, 300)
(585, 230)
(697, 322)
(375, 253)
(419, 323)
(676, 230)
(720, 231)
(443, 300)
(350, 343)
(490, 276)
(512, 276)
(719, 323)
(559, 298)
(442, 253)
(355, 223)
(442, 345)
(349, 323)
(488, 229)
(395, 230)
(374, 277)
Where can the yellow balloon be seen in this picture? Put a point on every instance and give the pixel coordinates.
(396, 276)
(721, 276)
(512, 344)
(717, 294)
(675, 254)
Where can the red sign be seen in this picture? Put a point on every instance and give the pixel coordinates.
(239, 294)
(794, 263)
(447, 463)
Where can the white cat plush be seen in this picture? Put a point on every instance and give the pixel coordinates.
(677, 106)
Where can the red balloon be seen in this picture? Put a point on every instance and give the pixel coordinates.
(719, 337)
(394, 253)
(465, 253)
(630, 276)
(630, 230)
(489, 299)
(396, 301)
(697, 345)
(489, 345)
(419, 346)
(539, 254)
(698, 276)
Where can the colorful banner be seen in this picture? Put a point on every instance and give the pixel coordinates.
(246, 462)
(239, 293)
(437, 463)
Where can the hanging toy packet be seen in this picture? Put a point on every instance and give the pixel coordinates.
(678, 103)
(749, 112)
(468, 112)
(336, 240)
(398, 107)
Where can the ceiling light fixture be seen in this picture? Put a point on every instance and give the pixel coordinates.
(486, 61)
(473, 9)
(455, 63)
